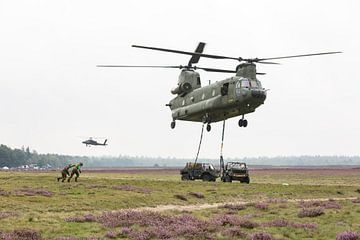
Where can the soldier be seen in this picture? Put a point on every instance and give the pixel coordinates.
(65, 172)
(75, 171)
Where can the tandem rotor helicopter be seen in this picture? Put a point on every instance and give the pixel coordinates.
(235, 96)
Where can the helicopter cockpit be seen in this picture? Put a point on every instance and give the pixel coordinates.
(246, 83)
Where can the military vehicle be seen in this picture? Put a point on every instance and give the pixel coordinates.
(91, 141)
(235, 96)
(235, 171)
(204, 171)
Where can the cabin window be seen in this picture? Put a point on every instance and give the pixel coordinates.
(225, 89)
(238, 88)
(203, 96)
(183, 102)
(192, 99)
(254, 84)
(245, 83)
(213, 92)
(198, 81)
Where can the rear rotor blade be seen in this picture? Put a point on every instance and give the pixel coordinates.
(195, 58)
(188, 53)
(295, 56)
(268, 62)
(139, 66)
(179, 67)
(255, 60)
(216, 70)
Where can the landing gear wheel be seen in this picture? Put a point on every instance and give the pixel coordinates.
(208, 127)
(172, 125)
(245, 123)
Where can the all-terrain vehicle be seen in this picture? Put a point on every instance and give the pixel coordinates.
(204, 171)
(235, 171)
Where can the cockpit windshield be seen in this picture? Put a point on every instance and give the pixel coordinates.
(237, 165)
(209, 166)
(245, 83)
(249, 83)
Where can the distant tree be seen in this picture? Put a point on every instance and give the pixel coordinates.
(5, 153)
(28, 153)
(18, 158)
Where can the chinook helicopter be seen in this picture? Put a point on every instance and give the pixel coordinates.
(235, 96)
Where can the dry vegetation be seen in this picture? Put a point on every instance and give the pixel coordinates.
(110, 205)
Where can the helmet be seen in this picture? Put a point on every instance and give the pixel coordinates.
(81, 164)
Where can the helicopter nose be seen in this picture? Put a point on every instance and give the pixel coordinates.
(258, 94)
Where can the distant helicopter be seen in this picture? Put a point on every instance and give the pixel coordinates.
(90, 142)
(235, 96)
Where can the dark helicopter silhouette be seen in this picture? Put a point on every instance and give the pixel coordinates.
(90, 142)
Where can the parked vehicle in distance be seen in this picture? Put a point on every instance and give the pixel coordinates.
(235, 171)
(204, 171)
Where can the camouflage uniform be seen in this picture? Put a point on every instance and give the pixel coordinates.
(65, 172)
(75, 171)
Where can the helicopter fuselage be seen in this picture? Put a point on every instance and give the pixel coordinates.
(90, 142)
(221, 100)
(235, 96)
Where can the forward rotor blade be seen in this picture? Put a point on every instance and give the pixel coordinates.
(295, 56)
(188, 53)
(222, 70)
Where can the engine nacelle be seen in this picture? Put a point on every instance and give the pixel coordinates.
(182, 88)
(188, 81)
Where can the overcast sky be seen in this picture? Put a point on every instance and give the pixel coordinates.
(51, 92)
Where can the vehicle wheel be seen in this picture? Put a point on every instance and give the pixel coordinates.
(172, 125)
(245, 123)
(247, 180)
(206, 178)
(228, 179)
(208, 127)
(185, 177)
(241, 123)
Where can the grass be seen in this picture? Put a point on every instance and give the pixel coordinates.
(32, 200)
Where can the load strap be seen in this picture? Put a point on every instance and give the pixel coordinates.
(221, 150)
(201, 137)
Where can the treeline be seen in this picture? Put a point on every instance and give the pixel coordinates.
(20, 157)
(24, 156)
(13, 158)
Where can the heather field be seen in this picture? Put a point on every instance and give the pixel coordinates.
(155, 204)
